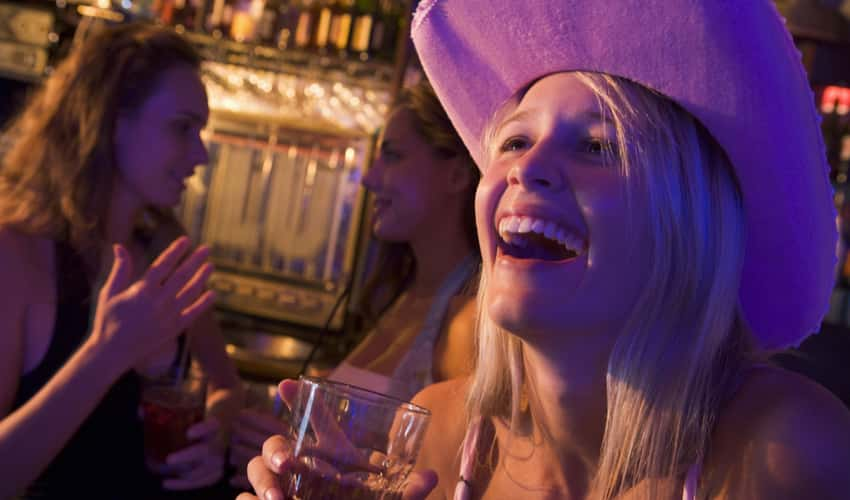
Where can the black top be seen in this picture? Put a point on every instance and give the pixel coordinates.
(104, 458)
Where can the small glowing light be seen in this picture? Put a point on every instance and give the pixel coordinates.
(126, 4)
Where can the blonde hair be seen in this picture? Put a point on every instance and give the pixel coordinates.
(681, 351)
(56, 179)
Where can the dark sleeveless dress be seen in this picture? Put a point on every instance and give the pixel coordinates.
(104, 458)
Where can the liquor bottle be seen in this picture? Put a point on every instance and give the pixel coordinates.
(323, 13)
(304, 24)
(286, 24)
(220, 18)
(388, 26)
(266, 32)
(183, 14)
(363, 22)
(246, 16)
(341, 22)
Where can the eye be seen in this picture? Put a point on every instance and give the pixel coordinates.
(596, 146)
(182, 127)
(515, 143)
(390, 155)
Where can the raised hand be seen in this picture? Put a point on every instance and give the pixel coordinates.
(133, 319)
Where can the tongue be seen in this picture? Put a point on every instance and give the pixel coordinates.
(540, 248)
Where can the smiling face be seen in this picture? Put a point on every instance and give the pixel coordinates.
(558, 237)
(158, 145)
(410, 183)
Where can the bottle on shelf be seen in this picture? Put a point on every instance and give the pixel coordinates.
(285, 23)
(388, 26)
(266, 32)
(246, 16)
(365, 11)
(322, 13)
(220, 18)
(341, 23)
(304, 25)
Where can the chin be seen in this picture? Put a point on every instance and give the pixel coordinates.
(388, 235)
(526, 314)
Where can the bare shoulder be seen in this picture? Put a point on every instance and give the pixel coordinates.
(782, 436)
(441, 447)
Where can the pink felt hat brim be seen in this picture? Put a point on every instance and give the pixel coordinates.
(732, 64)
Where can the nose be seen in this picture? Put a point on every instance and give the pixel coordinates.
(371, 179)
(536, 169)
(200, 156)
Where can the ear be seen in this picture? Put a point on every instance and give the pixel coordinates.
(459, 174)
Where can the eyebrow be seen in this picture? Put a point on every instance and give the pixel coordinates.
(192, 116)
(520, 115)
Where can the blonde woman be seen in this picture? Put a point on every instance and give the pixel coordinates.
(654, 216)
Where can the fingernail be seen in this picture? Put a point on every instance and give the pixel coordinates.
(277, 459)
(272, 494)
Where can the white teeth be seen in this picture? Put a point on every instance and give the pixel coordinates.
(538, 226)
(512, 228)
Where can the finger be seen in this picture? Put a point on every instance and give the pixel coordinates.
(186, 270)
(246, 496)
(263, 480)
(167, 261)
(120, 276)
(190, 455)
(189, 314)
(190, 292)
(277, 453)
(208, 427)
(288, 390)
(419, 485)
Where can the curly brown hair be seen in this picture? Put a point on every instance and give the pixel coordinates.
(56, 178)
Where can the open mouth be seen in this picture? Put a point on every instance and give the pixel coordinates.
(538, 239)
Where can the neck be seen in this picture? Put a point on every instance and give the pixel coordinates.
(437, 253)
(123, 210)
(566, 392)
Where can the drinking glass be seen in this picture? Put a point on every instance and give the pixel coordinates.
(351, 443)
(170, 406)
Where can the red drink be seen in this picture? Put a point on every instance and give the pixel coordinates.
(168, 414)
(308, 484)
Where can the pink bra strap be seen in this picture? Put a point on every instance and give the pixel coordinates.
(463, 490)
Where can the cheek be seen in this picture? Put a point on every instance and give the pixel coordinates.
(486, 199)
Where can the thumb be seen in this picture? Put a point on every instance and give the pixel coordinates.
(121, 272)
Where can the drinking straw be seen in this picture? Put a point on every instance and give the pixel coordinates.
(184, 360)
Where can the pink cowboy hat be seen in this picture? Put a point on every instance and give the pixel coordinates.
(730, 63)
